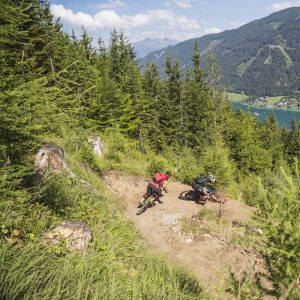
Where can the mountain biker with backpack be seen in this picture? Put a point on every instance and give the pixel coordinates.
(202, 185)
(155, 187)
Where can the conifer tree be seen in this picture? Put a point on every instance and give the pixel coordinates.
(292, 141)
(172, 114)
(86, 43)
(271, 138)
(216, 161)
(198, 73)
(212, 71)
(198, 109)
(151, 126)
(245, 145)
(114, 56)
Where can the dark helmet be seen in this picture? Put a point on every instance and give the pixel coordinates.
(211, 178)
(168, 173)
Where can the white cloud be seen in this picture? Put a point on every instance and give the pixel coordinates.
(183, 36)
(184, 3)
(67, 15)
(158, 23)
(212, 30)
(178, 35)
(283, 5)
(180, 3)
(236, 24)
(172, 19)
(112, 4)
(111, 19)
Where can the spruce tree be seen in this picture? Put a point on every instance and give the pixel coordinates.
(198, 107)
(246, 147)
(292, 141)
(172, 113)
(271, 138)
(151, 131)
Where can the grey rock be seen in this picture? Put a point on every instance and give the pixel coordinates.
(97, 144)
(76, 235)
(8, 162)
(189, 240)
(207, 235)
(255, 229)
(50, 156)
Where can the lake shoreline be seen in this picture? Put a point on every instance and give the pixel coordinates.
(268, 108)
(283, 116)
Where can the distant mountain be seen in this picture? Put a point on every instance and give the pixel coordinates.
(259, 58)
(148, 45)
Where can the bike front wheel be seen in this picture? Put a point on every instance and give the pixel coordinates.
(216, 197)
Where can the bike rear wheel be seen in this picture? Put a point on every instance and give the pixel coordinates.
(188, 195)
(145, 205)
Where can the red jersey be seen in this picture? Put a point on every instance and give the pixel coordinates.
(159, 179)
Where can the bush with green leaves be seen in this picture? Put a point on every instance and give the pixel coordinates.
(280, 211)
(156, 165)
(216, 161)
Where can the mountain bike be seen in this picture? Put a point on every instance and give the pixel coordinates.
(201, 198)
(149, 202)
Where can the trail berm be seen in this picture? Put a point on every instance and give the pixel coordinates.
(204, 245)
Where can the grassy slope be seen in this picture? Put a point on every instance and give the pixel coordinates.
(117, 266)
(242, 68)
(237, 97)
(273, 100)
(288, 60)
(240, 97)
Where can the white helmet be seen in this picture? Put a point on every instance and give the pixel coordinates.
(211, 178)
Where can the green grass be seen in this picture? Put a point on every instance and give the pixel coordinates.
(273, 25)
(269, 60)
(237, 97)
(36, 272)
(288, 60)
(117, 266)
(273, 100)
(242, 68)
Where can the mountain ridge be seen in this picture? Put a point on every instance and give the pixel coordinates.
(148, 45)
(261, 57)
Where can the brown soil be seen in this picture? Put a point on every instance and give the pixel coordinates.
(174, 228)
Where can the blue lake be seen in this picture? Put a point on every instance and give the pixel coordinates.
(283, 116)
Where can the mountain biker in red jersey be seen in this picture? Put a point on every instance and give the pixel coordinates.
(155, 186)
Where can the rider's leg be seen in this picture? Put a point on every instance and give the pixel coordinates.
(197, 188)
(150, 190)
(158, 199)
(157, 193)
(153, 191)
(198, 197)
(145, 197)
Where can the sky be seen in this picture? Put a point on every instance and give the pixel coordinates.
(174, 19)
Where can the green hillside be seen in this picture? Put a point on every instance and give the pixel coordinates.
(237, 97)
(260, 58)
(58, 89)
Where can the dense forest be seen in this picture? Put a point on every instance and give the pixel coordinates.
(260, 58)
(58, 88)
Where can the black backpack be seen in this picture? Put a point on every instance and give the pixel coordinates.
(200, 180)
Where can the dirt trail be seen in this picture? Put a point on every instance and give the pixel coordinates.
(210, 254)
